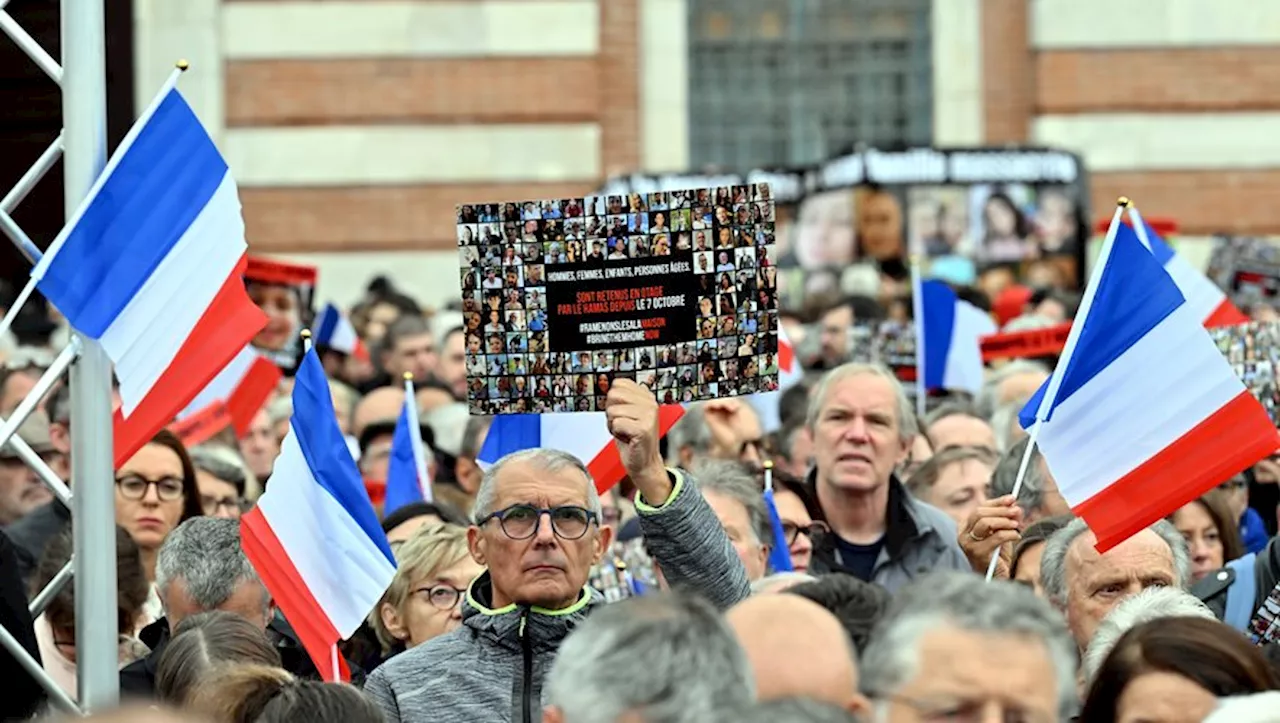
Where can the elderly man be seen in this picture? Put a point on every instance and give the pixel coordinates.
(719, 428)
(863, 426)
(657, 659)
(1153, 603)
(954, 647)
(537, 530)
(797, 648)
(1086, 585)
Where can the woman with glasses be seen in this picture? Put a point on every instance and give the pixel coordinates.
(797, 509)
(221, 476)
(155, 492)
(424, 599)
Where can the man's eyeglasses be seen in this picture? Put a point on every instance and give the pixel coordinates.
(520, 522)
(814, 531)
(441, 597)
(134, 488)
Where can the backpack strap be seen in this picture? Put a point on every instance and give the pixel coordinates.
(1242, 593)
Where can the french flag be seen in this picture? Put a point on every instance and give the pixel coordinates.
(408, 479)
(585, 435)
(151, 266)
(1143, 413)
(244, 385)
(779, 551)
(1202, 295)
(950, 331)
(335, 331)
(314, 537)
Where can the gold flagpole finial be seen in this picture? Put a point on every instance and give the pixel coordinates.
(1123, 202)
(408, 376)
(305, 334)
(182, 65)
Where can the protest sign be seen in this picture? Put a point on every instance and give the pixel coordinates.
(286, 292)
(674, 289)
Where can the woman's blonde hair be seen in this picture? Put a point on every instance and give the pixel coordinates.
(431, 549)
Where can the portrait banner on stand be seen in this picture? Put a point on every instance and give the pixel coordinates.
(674, 289)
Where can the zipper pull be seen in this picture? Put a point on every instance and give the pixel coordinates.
(524, 617)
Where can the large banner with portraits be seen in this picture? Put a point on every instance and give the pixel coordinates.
(976, 217)
(675, 290)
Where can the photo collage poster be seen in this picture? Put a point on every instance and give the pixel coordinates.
(1254, 353)
(674, 289)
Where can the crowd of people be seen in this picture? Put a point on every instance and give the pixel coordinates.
(524, 594)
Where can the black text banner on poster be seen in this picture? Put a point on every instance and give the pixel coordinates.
(641, 302)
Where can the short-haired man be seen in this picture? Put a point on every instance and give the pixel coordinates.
(409, 347)
(955, 647)
(201, 567)
(734, 495)
(657, 659)
(1086, 585)
(955, 426)
(451, 370)
(863, 426)
(537, 528)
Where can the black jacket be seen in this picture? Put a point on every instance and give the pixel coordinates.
(138, 679)
(22, 695)
(32, 534)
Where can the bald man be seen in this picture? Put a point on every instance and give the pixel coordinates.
(379, 404)
(797, 649)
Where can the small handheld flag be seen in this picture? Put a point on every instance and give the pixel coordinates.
(314, 537)
(779, 549)
(408, 476)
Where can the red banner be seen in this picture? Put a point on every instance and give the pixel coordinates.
(203, 425)
(1026, 344)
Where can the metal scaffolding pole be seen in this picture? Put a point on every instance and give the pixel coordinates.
(84, 117)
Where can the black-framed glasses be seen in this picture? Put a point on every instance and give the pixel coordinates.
(134, 487)
(520, 522)
(441, 597)
(814, 531)
(212, 504)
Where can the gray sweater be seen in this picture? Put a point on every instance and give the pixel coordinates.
(492, 667)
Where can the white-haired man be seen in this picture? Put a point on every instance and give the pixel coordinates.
(863, 427)
(1153, 603)
(1087, 585)
(954, 647)
(537, 530)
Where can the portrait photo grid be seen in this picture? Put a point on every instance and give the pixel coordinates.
(674, 290)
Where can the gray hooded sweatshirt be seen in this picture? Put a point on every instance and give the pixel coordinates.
(492, 667)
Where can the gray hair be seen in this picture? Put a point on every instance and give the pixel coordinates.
(908, 427)
(967, 602)
(779, 582)
(205, 553)
(669, 657)
(222, 462)
(793, 710)
(950, 409)
(988, 398)
(1053, 561)
(736, 481)
(1031, 495)
(691, 431)
(1153, 603)
(547, 460)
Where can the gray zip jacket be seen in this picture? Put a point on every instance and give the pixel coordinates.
(492, 667)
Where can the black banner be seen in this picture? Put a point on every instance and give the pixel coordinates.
(620, 304)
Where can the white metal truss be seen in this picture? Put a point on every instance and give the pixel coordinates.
(81, 145)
